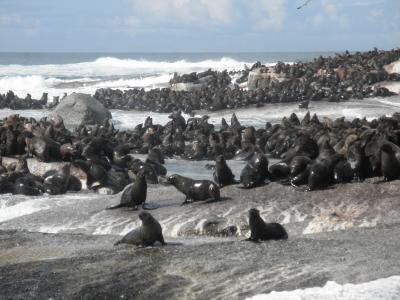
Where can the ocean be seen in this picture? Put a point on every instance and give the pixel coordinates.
(59, 73)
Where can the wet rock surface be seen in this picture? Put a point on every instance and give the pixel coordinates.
(70, 266)
(343, 207)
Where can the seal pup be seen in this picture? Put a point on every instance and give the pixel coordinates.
(146, 235)
(134, 194)
(195, 190)
(264, 231)
(223, 174)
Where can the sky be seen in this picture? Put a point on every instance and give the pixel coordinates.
(198, 25)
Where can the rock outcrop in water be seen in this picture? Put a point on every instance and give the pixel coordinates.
(335, 79)
(12, 101)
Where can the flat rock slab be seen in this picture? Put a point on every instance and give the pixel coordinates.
(76, 266)
(342, 207)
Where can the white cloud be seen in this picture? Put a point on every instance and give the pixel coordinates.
(268, 13)
(375, 14)
(10, 19)
(364, 2)
(256, 13)
(330, 13)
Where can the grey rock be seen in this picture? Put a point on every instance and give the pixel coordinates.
(81, 109)
(261, 78)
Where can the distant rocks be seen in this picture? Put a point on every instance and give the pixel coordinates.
(197, 81)
(339, 78)
(81, 109)
(12, 101)
(263, 78)
(334, 79)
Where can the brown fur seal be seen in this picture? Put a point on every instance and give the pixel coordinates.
(264, 231)
(146, 235)
(223, 174)
(134, 194)
(390, 166)
(195, 190)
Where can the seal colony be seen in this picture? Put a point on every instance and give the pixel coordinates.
(339, 78)
(311, 152)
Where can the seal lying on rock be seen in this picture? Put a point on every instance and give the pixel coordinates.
(195, 190)
(264, 231)
(146, 235)
(56, 183)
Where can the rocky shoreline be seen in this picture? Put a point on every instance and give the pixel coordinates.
(339, 78)
(328, 241)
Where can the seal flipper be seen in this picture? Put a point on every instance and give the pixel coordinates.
(161, 240)
(116, 206)
(147, 206)
(186, 201)
(251, 240)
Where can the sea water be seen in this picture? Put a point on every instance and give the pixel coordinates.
(59, 73)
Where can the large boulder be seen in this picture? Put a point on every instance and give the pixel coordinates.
(81, 109)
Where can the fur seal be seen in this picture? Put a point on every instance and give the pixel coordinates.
(255, 172)
(58, 182)
(26, 185)
(223, 174)
(146, 235)
(195, 190)
(264, 231)
(390, 166)
(134, 194)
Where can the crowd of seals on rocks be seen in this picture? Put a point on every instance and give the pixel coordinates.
(311, 152)
(337, 78)
(344, 76)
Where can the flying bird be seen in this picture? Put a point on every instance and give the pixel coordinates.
(304, 4)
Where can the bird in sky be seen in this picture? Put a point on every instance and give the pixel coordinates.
(304, 4)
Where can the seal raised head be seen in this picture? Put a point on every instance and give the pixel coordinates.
(146, 235)
(264, 231)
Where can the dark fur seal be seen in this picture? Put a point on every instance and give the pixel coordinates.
(195, 190)
(146, 235)
(58, 182)
(223, 174)
(390, 166)
(255, 172)
(26, 185)
(264, 231)
(134, 194)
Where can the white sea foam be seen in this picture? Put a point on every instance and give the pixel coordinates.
(381, 289)
(23, 208)
(110, 66)
(104, 72)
